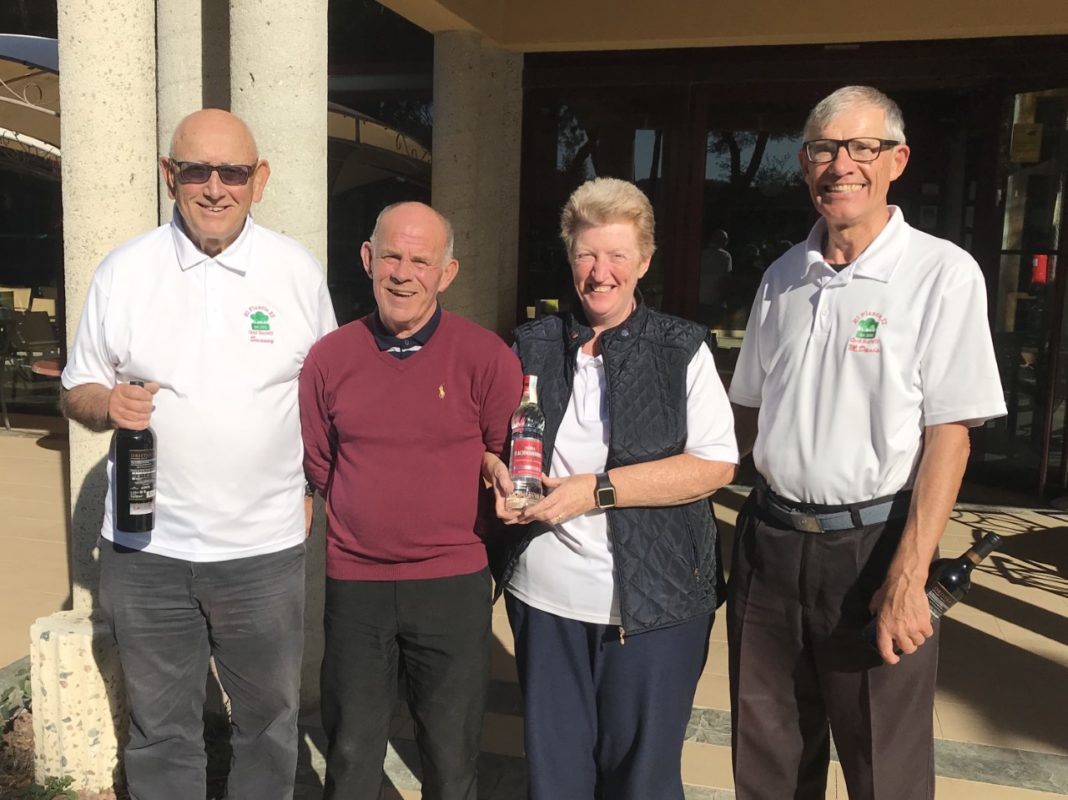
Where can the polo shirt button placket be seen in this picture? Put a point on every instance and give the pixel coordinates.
(819, 322)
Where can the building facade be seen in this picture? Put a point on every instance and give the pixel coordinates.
(701, 104)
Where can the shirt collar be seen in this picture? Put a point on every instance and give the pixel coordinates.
(878, 261)
(386, 340)
(237, 257)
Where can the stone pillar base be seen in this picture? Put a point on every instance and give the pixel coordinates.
(78, 700)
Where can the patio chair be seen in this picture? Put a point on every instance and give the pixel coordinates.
(45, 304)
(32, 337)
(20, 296)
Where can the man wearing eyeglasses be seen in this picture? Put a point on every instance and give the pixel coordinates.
(215, 314)
(866, 358)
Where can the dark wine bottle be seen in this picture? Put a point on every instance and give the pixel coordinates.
(135, 479)
(948, 580)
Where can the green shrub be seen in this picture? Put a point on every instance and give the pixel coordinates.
(16, 697)
(53, 788)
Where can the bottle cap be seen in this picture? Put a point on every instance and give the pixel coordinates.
(987, 545)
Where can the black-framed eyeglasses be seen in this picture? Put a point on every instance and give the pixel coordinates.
(862, 149)
(199, 172)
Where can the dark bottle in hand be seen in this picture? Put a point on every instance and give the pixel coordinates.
(948, 580)
(135, 479)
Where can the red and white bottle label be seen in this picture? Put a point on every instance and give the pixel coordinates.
(526, 458)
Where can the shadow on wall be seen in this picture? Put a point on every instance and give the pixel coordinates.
(87, 516)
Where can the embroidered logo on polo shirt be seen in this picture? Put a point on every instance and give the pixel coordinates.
(866, 339)
(259, 324)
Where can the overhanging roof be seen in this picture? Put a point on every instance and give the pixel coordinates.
(30, 121)
(569, 25)
(29, 92)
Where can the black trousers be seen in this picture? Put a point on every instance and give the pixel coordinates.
(602, 719)
(438, 632)
(796, 604)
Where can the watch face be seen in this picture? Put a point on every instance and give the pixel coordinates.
(606, 497)
(605, 493)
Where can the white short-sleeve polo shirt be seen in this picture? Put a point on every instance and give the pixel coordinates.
(225, 337)
(848, 367)
(570, 572)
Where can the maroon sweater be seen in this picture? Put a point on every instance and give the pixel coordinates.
(396, 446)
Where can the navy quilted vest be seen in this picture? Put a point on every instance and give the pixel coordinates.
(665, 558)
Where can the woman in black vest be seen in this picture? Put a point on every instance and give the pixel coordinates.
(611, 579)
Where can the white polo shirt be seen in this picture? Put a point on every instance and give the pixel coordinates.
(848, 368)
(569, 570)
(225, 337)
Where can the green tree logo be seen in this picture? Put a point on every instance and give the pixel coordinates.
(260, 321)
(867, 327)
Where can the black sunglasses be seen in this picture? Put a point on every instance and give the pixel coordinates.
(199, 172)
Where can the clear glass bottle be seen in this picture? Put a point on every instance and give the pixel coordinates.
(528, 438)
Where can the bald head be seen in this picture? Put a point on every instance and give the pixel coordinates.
(421, 209)
(213, 211)
(216, 125)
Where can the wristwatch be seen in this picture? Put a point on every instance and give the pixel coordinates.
(605, 493)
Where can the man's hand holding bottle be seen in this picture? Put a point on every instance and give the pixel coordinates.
(130, 406)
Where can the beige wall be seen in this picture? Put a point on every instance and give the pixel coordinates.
(557, 25)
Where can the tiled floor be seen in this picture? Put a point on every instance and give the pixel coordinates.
(1003, 679)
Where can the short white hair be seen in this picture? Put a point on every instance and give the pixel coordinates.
(848, 98)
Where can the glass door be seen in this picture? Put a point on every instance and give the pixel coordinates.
(754, 206)
(1027, 448)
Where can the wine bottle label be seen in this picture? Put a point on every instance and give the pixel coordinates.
(939, 600)
(526, 458)
(142, 481)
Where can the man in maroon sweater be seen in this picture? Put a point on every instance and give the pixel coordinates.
(397, 411)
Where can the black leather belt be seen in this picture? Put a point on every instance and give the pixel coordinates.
(816, 518)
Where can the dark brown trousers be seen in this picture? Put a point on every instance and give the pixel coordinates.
(799, 670)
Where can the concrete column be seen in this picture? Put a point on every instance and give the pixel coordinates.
(192, 67)
(475, 172)
(108, 139)
(278, 86)
(79, 719)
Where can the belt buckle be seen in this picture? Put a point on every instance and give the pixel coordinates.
(807, 523)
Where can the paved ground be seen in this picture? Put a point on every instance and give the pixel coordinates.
(1003, 678)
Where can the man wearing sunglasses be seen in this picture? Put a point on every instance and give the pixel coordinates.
(866, 359)
(215, 315)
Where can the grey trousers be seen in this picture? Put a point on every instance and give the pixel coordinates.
(168, 617)
(795, 605)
